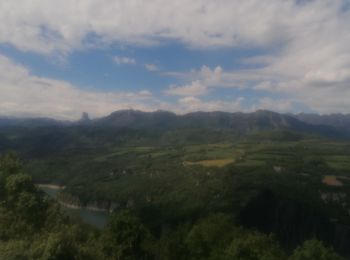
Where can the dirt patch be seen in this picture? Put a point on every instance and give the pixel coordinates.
(211, 163)
(331, 180)
(50, 186)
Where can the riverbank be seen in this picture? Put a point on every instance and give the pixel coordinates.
(90, 213)
(53, 189)
(50, 186)
(76, 206)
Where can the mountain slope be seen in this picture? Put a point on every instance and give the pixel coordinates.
(335, 120)
(129, 127)
(237, 123)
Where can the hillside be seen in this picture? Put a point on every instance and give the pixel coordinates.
(336, 120)
(237, 123)
(175, 171)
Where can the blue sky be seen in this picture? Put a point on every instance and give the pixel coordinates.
(184, 56)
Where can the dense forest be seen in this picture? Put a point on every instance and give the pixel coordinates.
(32, 226)
(199, 186)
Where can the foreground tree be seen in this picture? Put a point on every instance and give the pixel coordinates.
(126, 237)
(314, 250)
(210, 236)
(9, 165)
(254, 246)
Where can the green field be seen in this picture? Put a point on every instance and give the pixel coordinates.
(211, 163)
(175, 180)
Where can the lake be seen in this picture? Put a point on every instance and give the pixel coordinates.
(95, 218)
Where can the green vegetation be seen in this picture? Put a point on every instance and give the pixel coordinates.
(313, 249)
(202, 220)
(255, 192)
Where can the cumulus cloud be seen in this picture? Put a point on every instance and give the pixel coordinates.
(203, 80)
(151, 67)
(278, 105)
(26, 95)
(305, 44)
(190, 103)
(123, 60)
(196, 88)
(210, 77)
(23, 94)
(38, 25)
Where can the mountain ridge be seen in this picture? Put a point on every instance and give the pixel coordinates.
(238, 122)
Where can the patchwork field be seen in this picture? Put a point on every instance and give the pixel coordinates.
(332, 181)
(211, 163)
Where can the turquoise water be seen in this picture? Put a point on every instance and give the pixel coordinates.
(95, 218)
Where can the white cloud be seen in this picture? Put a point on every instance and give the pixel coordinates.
(278, 105)
(203, 81)
(210, 77)
(306, 44)
(23, 94)
(192, 104)
(218, 78)
(259, 60)
(124, 60)
(151, 67)
(196, 88)
(38, 25)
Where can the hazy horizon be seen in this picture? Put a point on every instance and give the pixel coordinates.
(166, 111)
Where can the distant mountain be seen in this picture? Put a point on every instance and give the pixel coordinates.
(335, 120)
(84, 120)
(242, 122)
(138, 119)
(238, 123)
(42, 136)
(161, 121)
(31, 122)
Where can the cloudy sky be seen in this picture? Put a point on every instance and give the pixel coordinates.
(60, 58)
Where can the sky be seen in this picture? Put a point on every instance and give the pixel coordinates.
(61, 58)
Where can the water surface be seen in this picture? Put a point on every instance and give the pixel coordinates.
(95, 218)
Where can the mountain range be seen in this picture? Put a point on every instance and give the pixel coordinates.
(333, 126)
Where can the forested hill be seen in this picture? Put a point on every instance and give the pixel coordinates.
(205, 185)
(31, 122)
(335, 120)
(32, 226)
(237, 123)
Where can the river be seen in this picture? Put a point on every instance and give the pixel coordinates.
(95, 218)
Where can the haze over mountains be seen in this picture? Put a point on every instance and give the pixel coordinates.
(165, 119)
(334, 125)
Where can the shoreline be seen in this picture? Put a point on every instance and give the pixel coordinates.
(74, 206)
(50, 186)
(70, 205)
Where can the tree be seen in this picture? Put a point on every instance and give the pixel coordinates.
(314, 250)
(210, 235)
(56, 245)
(126, 237)
(14, 250)
(9, 164)
(24, 199)
(254, 246)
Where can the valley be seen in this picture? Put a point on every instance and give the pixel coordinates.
(272, 173)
